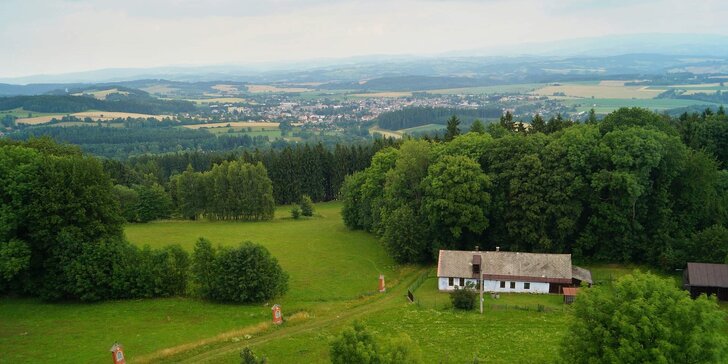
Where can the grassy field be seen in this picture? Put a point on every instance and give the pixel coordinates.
(235, 124)
(385, 132)
(21, 113)
(516, 88)
(606, 91)
(422, 128)
(333, 279)
(604, 106)
(95, 115)
(218, 100)
(388, 94)
(271, 88)
(330, 267)
(269, 131)
(101, 94)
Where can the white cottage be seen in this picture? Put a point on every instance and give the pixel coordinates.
(508, 271)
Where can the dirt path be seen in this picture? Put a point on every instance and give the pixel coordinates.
(395, 295)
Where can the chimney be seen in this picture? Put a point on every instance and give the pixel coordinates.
(497, 248)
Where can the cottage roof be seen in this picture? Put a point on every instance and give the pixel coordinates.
(502, 265)
(708, 275)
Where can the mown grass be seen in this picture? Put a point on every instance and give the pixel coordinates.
(325, 260)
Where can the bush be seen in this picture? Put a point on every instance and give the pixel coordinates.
(306, 206)
(247, 273)
(358, 346)
(295, 212)
(464, 298)
(247, 356)
(644, 319)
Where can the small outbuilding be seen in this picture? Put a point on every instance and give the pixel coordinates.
(570, 294)
(708, 278)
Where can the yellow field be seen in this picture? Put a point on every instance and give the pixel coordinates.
(101, 95)
(384, 94)
(697, 85)
(226, 88)
(220, 100)
(386, 133)
(243, 124)
(95, 115)
(604, 90)
(159, 89)
(269, 88)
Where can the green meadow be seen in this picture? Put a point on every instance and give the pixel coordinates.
(333, 280)
(605, 106)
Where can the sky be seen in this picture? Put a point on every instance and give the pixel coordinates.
(62, 36)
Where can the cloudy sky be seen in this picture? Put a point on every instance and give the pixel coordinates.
(60, 36)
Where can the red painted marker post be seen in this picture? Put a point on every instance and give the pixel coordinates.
(382, 287)
(277, 316)
(117, 353)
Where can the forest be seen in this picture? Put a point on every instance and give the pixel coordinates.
(138, 102)
(635, 187)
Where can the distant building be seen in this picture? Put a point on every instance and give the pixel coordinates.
(708, 278)
(509, 271)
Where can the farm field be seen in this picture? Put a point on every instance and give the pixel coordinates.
(604, 91)
(604, 106)
(218, 100)
(422, 128)
(385, 132)
(101, 94)
(272, 132)
(271, 88)
(515, 88)
(392, 94)
(95, 115)
(21, 113)
(234, 124)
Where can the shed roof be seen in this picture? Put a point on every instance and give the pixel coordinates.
(570, 291)
(708, 275)
(581, 274)
(503, 265)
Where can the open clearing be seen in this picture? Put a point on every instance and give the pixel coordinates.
(605, 91)
(271, 88)
(226, 88)
(235, 124)
(422, 128)
(101, 94)
(385, 133)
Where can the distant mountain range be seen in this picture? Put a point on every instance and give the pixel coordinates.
(640, 54)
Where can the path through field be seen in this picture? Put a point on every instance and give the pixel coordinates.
(394, 296)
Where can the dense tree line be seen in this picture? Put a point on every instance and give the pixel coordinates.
(136, 103)
(294, 171)
(61, 232)
(625, 189)
(417, 116)
(121, 143)
(229, 191)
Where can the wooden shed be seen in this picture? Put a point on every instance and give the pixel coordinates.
(708, 278)
(570, 294)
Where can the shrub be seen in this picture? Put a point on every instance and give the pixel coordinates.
(356, 345)
(247, 273)
(295, 212)
(247, 356)
(306, 206)
(644, 319)
(463, 298)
